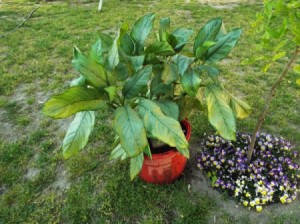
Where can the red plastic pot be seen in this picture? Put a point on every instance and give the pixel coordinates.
(164, 168)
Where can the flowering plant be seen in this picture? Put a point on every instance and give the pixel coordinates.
(272, 176)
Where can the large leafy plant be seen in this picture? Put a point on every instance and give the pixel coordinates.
(149, 88)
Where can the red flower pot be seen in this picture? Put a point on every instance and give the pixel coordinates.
(164, 168)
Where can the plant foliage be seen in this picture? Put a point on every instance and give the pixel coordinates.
(149, 88)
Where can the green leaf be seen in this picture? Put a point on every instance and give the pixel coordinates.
(200, 52)
(137, 82)
(169, 108)
(278, 55)
(113, 56)
(72, 101)
(121, 72)
(297, 69)
(96, 52)
(80, 81)
(117, 152)
(161, 127)
(240, 108)
(183, 62)
(136, 164)
(209, 43)
(220, 115)
(190, 82)
(92, 71)
(184, 152)
(142, 28)
(169, 73)
(224, 46)
(131, 131)
(147, 151)
(160, 48)
(78, 133)
(208, 33)
(106, 41)
(76, 52)
(160, 88)
(181, 36)
(212, 72)
(187, 105)
(213, 180)
(137, 62)
(127, 44)
(112, 92)
(164, 25)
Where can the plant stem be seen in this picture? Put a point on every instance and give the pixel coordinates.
(267, 104)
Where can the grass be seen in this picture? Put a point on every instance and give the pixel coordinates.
(38, 186)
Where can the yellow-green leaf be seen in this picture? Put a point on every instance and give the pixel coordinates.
(220, 115)
(78, 133)
(240, 108)
(136, 164)
(72, 101)
(161, 127)
(131, 131)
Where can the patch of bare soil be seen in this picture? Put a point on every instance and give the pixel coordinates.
(11, 131)
(200, 183)
(225, 4)
(186, 14)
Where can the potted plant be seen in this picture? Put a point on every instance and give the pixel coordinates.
(261, 169)
(150, 90)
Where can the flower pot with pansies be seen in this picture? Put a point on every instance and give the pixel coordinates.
(151, 90)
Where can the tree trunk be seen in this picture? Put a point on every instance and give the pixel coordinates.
(268, 102)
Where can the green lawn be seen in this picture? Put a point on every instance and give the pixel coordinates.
(38, 186)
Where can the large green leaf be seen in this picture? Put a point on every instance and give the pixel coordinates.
(160, 88)
(113, 56)
(190, 82)
(137, 82)
(72, 101)
(106, 41)
(121, 72)
(160, 126)
(240, 108)
(92, 71)
(131, 131)
(208, 33)
(78, 133)
(96, 52)
(170, 73)
(136, 164)
(212, 72)
(160, 48)
(164, 25)
(224, 46)
(183, 62)
(169, 108)
(117, 153)
(127, 44)
(137, 62)
(220, 115)
(112, 92)
(142, 28)
(181, 35)
(80, 81)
